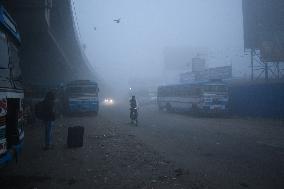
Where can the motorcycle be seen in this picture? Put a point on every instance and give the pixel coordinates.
(134, 116)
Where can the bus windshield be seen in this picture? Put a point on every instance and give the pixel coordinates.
(4, 56)
(82, 90)
(215, 88)
(14, 61)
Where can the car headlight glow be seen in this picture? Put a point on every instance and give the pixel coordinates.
(108, 101)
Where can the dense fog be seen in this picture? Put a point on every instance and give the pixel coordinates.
(137, 46)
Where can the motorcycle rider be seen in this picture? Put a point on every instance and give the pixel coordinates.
(133, 107)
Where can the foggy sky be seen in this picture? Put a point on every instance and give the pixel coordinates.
(134, 47)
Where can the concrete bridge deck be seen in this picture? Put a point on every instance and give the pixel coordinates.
(51, 52)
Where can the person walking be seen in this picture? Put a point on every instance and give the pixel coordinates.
(48, 117)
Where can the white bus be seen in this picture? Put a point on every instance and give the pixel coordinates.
(207, 97)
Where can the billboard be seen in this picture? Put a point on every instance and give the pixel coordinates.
(264, 28)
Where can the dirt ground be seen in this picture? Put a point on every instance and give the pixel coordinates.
(165, 151)
(110, 158)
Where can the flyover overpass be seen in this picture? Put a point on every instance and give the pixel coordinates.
(51, 52)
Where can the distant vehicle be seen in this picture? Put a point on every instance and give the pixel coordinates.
(11, 90)
(207, 97)
(108, 101)
(81, 96)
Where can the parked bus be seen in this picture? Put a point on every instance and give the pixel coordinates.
(207, 97)
(81, 96)
(11, 90)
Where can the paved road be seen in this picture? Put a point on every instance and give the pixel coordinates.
(226, 152)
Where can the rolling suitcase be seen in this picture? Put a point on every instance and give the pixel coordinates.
(75, 137)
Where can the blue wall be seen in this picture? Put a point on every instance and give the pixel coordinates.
(260, 100)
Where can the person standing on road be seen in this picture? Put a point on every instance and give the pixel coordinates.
(48, 117)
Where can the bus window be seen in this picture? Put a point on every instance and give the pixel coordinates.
(177, 92)
(222, 88)
(181, 92)
(90, 90)
(164, 92)
(195, 91)
(215, 88)
(14, 61)
(186, 91)
(4, 56)
(82, 90)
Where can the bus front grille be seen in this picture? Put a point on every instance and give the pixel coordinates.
(2, 121)
(2, 132)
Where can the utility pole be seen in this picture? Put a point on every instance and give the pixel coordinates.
(278, 70)
(266, 71)
(251, 62)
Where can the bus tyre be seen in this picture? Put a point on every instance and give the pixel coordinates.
(194, 109)
(169, 108)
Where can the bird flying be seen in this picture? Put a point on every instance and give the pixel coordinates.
(117, 20)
